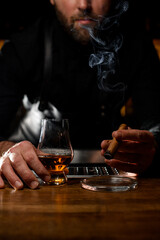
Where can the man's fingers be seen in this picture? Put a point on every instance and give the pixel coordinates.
(127, 157)
(33, 161)
(10, 175)
(123, 166)
(134, 135)
(22, 169)
(16, 165)
(29, 153)
(105, 143)
(133, 146)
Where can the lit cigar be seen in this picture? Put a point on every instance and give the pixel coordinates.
(113, 145)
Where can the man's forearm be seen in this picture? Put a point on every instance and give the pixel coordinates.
(4, 146)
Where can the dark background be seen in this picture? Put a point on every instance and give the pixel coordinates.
(17, 14)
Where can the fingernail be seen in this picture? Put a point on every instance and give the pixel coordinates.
(47, 178)
(34, 184)
(18, 185)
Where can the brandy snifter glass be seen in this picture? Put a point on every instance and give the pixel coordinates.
(55, 149)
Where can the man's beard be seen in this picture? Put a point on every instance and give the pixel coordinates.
(80, 34)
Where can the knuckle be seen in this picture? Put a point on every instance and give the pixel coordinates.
(24, 144)
(13, 149)
(8, 153)
(42, 171)
(29, 157)
(27, 175)
(14, 158)
(14, 163)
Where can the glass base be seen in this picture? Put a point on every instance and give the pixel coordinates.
(111, 183)
(57, 178)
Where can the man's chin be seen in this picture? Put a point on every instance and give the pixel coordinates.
(82, 36)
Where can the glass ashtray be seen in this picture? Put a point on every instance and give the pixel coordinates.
(111, 183)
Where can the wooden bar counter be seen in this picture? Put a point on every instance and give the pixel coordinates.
(70, 212)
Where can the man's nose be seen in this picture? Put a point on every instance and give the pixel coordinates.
(84, 4)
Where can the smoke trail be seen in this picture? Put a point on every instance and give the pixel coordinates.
(106, 42)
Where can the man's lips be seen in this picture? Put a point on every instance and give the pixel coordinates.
(85, 21)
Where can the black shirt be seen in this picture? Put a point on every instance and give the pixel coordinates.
(93, 113)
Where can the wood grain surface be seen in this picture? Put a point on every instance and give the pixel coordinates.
(70, 212)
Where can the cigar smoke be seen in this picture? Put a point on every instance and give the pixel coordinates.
(106, 43)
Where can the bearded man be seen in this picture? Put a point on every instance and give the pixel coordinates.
(76, 63)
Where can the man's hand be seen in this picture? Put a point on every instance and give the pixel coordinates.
(16, 164)
(135, 152)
